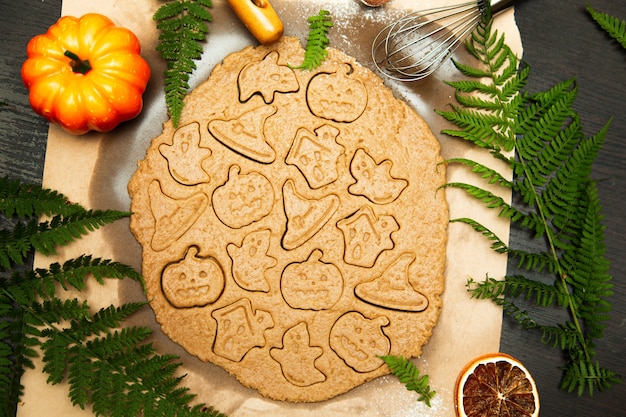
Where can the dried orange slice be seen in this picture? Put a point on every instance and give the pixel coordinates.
(496, 385)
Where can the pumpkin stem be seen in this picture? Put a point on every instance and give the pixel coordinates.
(78, 65)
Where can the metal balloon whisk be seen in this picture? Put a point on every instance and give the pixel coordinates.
(414, 46)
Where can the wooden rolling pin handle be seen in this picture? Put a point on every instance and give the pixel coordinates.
(260, 19)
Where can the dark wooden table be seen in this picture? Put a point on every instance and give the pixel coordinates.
(560, 42)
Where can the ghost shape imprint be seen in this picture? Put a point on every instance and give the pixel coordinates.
(297, 357)
(193, 281)
(185, 156)
(374, 180)
(250, 260)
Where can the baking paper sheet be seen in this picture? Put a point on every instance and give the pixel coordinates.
(94, 170)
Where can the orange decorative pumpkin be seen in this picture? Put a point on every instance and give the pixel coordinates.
(86, 74)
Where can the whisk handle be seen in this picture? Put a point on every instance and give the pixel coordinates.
(498, 6)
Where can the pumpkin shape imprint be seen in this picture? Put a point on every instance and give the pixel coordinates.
(193, 281)
(312, 285)
(337, 96)
(360, 341)
(243, 199)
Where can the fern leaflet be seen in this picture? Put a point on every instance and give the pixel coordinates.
(31, 201)
(582, 375)
(615, 27)
(183, 26)
(27, 235)
(317, 41)
(409, 375)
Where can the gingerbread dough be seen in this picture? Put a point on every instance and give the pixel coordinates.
(292, 225)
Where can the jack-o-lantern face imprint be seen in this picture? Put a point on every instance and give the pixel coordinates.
(337, 96)
(360, 341)
(243, 199)
(311, 285)
(193, 281)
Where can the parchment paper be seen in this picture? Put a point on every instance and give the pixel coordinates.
(94, 170)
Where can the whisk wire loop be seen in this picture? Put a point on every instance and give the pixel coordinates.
(415, 46)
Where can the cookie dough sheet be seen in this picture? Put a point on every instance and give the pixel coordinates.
(95, 169)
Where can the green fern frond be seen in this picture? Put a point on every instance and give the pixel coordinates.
(512, 79)
(69, 221)
(122, 391)
(496, 243)
(521, 316)
(487, 197)
(10, 390)
(317, 41)
(516, 286)
(409, 375)
(109, 367)
(490, 175)
(44, 237)
(15, 244)
(529, 261)
(57, 311)
(26, 286)
(492, 201)
(564, 188)
(556, 201)
(103, 320)
(615, 27)
(550, 131)
(113, 369)
(486, 121)
(62, 230)
(582, 375)
(74, 271)
(29, 200)
(564, 336)
(586, 268)
(486, 130)
(183, 27)
(16, 355)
